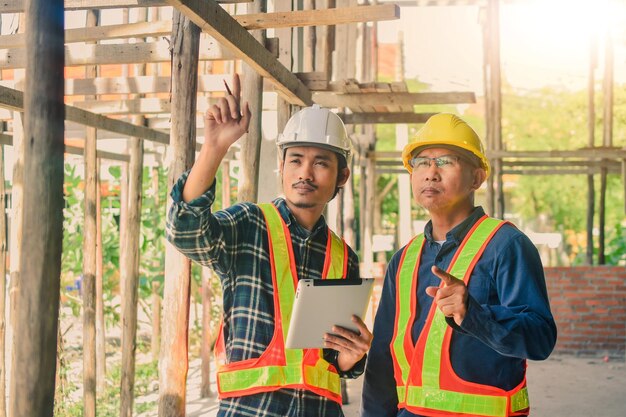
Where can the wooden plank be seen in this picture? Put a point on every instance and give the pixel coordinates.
(147, 106)
(249, 22)
(319, 17)
(74, 150)
(17, 6)
(140, 85)
(333, 100)
(119, 54)
(14, 100)
(137, 85)
(215, 21)
(587, 154)
(98, 33)
(379, 118)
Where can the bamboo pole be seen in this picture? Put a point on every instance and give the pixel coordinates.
(173, 363)
(88, 283)
(37, 303)
(252, 90)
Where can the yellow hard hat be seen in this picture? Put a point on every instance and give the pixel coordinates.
(446, 129)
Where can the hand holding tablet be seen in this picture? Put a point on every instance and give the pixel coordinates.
(321, 305)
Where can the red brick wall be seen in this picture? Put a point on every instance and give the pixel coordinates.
(589, 306)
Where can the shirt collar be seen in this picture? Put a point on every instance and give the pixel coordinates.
(290, 220)
(458, 232)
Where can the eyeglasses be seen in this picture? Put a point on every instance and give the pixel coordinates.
(443, 161)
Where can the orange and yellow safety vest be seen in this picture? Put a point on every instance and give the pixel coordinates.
(279, 367)
(425, 380)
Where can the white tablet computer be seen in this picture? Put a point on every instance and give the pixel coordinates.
(322, 303)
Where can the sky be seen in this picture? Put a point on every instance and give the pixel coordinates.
(543, 43)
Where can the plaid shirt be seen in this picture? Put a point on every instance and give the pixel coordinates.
(234, 243)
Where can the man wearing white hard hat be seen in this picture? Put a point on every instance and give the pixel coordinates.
(259, 251)
(464, 304)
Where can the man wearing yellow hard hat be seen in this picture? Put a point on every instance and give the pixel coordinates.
(464, 304)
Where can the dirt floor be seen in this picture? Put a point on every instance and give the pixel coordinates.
(562, 386)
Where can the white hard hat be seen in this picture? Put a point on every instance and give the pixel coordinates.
(316, 126)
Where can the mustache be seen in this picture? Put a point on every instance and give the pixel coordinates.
(429, 186)
(304, 182)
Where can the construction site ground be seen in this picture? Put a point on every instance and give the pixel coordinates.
(562, 386)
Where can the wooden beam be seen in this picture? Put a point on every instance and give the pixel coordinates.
(98, 33)
(118, 54)
(215, 21)
(74, 150)
(319, 17)
(14, 100)
(17, 6)
(144, 84)
(596, 153)
(378, 118)
(298, 18)
(333, 100)
(587, 153)
(147, 106)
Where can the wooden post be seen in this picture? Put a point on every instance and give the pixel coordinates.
(495, 102)
(100, 326)
(17, 209)
(607, 139)
(88, 283)
(206, 346)
(130, 276)
(3, 284)
(252, 86)
(347, 211)
(486, 31)
(173, 363)
(405, 229)
(156, 320)
(123, 180)
(129, 269)
(309, 41)
(591, 126)
(3, 280)
(37, 303)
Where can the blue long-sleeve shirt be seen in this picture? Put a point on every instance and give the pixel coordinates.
(508, 319)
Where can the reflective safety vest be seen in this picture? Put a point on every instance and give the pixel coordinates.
(425, 381)
(279, 367)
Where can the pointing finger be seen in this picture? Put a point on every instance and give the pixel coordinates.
(444, 276)
(236, 87)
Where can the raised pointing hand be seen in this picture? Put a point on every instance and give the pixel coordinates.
(451, 299)
(224, 122)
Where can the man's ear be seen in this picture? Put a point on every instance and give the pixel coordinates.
(343, 176)
(480, 175)
(281, 163)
